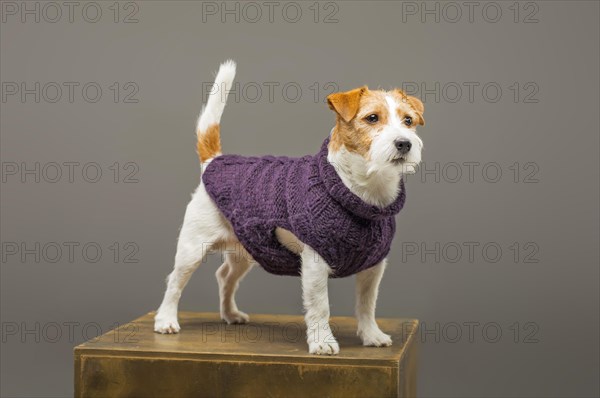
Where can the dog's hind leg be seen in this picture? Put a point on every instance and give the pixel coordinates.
(203, 230)
(236, 266)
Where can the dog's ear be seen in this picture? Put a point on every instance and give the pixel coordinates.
(416, 104)
(346, 104)
(418, 107)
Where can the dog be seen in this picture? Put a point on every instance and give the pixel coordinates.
(318, 217)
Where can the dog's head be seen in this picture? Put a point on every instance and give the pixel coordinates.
(378, 126)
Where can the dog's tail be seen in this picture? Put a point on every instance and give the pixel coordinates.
(208, 130)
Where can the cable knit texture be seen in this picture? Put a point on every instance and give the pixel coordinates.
(307, 197)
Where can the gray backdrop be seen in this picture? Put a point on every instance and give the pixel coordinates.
(497, 247)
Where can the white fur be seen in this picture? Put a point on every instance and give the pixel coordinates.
(205, 229)
(367, 289)
(315, 277)
(213, 110)
(376, 186)
(230, 273)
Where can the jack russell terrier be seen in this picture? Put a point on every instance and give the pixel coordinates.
(325, 216)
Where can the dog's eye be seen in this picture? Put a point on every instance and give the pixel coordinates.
(373, 118)
(408, 121)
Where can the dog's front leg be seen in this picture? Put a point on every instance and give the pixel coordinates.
(367, 288)
(315, 275)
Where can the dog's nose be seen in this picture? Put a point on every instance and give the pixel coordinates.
(403, 146)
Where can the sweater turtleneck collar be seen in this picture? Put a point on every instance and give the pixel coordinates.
(337, 190)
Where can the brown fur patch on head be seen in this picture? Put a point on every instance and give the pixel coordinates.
(410, 106)
(346, 104)
(209, 143)
(356, 134)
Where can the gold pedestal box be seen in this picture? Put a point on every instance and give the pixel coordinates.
(267, 357)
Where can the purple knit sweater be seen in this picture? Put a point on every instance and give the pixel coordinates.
(307, 197)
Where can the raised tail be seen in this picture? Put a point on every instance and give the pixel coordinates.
(208, 129)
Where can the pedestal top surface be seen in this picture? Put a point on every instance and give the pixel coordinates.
(265, 337)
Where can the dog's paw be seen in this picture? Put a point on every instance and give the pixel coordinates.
(235, 317)
(166, 326)
(323, 348)
(375, 338)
